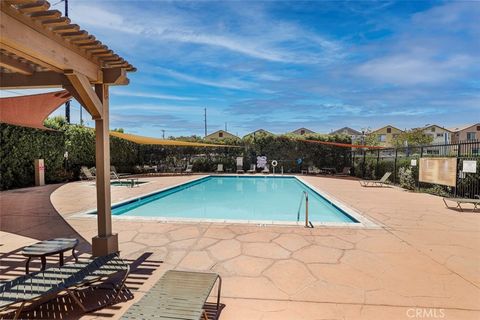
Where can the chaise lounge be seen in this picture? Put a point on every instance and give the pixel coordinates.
(460, 201)
(86, 174)
(376, 183)
(35, 288)
(177, 295)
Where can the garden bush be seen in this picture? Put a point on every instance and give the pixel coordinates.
(21, 146)
(405, 178)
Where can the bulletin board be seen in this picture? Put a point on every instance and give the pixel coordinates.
(438, 171)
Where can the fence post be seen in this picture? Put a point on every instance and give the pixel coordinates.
(364, 165)
(378, 162)
(395, 167)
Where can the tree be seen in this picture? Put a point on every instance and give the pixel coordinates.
(119, 130)
(368, 139)
(57, 122)
(414, 137)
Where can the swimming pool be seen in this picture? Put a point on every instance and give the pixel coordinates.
(245, 198)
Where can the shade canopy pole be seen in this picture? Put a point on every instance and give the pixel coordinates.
(105, 242)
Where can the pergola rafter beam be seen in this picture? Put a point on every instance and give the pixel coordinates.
(32, 42)
(37, 80)
(15, 65)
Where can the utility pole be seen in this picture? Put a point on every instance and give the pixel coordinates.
(67, 111)
(67, 104)
(205, 109)
(163, 134)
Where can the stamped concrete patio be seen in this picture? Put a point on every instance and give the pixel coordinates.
(423, 261)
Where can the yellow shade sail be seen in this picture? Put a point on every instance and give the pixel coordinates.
(163, 142)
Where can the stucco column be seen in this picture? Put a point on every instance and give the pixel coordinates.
(105, 242)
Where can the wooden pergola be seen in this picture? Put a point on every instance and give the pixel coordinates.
(40, 48)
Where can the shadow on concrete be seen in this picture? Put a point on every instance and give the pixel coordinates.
(28, 212)
(63, 307)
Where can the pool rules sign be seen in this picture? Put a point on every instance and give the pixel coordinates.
(469, 166)
(438, 171)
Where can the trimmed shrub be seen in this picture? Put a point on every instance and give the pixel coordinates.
(21, 146)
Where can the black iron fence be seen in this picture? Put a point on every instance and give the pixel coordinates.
(373, 164)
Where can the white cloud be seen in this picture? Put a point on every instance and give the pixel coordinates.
(236, 84)
(150, 95)
(265, 43)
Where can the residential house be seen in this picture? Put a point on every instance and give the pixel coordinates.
(219, 135)
(386, 135)
(302, 131)
(439, 134)
(467, 132)
(354, 134)
(259, 131)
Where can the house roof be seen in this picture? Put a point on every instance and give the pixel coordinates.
(218, 131)
(257, 131)
(462, 127)
(386, 127)
(432, 125)
(350, 130)
(303, 128)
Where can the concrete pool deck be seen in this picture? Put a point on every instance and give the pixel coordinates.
(423, 262)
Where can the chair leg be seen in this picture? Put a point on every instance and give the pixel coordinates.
(459, 206)
(219, 293)
(205, 315)
(19, 310)
(75, 298)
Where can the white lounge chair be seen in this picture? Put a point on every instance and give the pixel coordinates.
(86, 174)
(189, 169)
(376, 183)
(240, 165)
(266, 170)
(253, 169)
(220, 168)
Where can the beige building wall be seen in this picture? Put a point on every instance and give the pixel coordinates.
(466, 133)
(385, 135)
(440, 135)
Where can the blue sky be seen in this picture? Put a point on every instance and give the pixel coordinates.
(283, 65)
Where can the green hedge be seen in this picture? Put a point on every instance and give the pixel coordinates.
(21, 146)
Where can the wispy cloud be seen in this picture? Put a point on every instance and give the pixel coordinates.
(281, 65)
(151, 95)
(223, 83)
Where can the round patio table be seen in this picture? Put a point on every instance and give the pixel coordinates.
(47, 248)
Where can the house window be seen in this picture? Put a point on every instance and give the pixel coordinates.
(471, 135)
(220, 134)
(389, 130)
(439, 135)
(302, 132)
(433, 129)
(478, 128)
(382, 137)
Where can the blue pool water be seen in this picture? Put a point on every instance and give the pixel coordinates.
(236, 198)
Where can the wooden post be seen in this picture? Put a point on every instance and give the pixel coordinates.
(105, 242)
